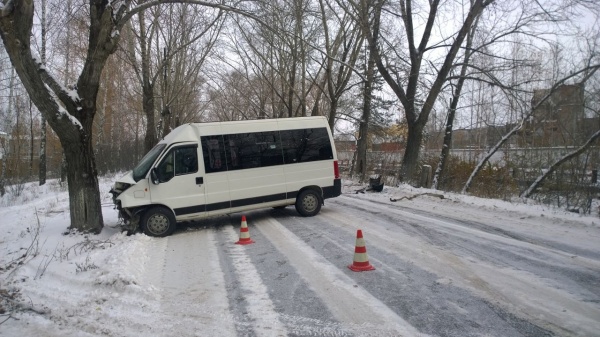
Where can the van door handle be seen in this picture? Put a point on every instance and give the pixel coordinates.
(199, 180)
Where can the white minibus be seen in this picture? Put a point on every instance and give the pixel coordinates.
(207, 169)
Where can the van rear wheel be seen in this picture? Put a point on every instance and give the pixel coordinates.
(308, 203)
(159, 222)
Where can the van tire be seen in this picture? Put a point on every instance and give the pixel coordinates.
(308, 203)
(158, 222)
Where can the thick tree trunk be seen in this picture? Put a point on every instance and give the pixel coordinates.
(148, 105)
(333, 105)
(408, 170)
(84, 194)
(363, 131)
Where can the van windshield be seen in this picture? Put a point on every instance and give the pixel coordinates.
(140, 171)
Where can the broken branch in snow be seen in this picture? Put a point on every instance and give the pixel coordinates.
(441, 196)
(84, 247)
(10, 303)
(32, 251)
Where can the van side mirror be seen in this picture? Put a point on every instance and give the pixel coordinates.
(154, 176)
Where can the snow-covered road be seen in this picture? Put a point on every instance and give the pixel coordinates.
(444, 267)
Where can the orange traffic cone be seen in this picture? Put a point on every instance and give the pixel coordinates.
(244, 234)
(361, 260)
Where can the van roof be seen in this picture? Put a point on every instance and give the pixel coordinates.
(192, 131)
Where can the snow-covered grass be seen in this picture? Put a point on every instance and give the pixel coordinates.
(522, 205)
(56, 283)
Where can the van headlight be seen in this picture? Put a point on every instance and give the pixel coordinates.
(117, 189)
(121, 186)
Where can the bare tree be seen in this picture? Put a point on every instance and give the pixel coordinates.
(343, 52)
(164, 38)
(404, 73)
(279, 63)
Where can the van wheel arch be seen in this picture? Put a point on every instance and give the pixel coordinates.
(309, 201)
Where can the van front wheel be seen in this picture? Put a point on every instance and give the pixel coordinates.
(308, 203)
(158, 221)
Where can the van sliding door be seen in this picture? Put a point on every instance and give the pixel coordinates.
(255, 168)
(215, 179)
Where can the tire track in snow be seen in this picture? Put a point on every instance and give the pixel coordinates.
(353, 306)
(265, 320)
(185, 270)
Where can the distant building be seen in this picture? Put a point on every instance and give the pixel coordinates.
(557, 121)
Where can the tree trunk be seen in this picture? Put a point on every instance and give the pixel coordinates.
(6, 143)
(84, 194)
(414, 140)
(361, 147)
(333, 105)
(446, 146)
(31, 139)
(3, 171)
(148, 106)
(42, 164)
(363, 131)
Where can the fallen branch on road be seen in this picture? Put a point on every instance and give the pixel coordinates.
(441, 196)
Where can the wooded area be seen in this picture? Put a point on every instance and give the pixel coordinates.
(405, 83)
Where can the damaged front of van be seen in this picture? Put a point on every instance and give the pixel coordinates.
(131, 192)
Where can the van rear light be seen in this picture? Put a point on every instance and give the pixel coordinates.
(336, 169)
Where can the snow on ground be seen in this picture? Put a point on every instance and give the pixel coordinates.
(55, 283)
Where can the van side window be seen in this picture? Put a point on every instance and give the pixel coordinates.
(165, 170)
(186, 160)
(213, 150)
(179, 161)
(254, 149)
(306, 145)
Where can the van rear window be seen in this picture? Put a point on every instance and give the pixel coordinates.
(305, 145)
